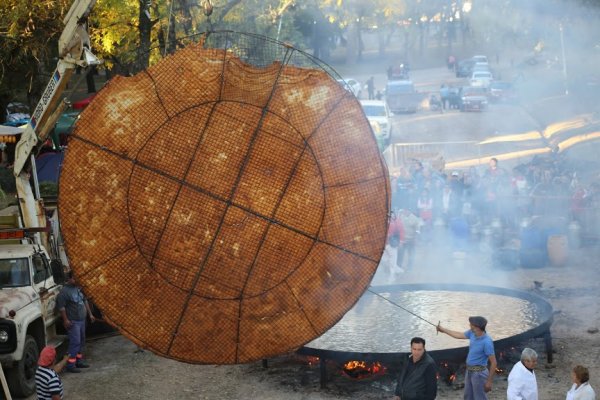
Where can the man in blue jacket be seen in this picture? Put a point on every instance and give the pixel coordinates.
(417, 379)
(74, 307)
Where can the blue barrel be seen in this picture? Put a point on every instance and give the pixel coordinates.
(534, 251)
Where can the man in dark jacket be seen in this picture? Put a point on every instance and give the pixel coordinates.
(417, 379)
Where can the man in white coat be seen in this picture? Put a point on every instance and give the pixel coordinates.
(522, 384)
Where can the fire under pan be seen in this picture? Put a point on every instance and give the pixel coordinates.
(377, 330)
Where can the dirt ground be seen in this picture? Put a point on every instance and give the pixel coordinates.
(121, 371)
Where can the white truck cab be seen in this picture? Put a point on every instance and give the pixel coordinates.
(29, 286)
(29, 280)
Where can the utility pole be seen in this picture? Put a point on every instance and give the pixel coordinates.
(564, 60)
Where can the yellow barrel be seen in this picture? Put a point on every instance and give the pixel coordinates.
(558, 250)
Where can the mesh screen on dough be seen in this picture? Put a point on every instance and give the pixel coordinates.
(225, 205)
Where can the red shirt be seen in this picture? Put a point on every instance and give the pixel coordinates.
(396, 228)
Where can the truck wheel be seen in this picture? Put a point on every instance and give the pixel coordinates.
(21, 377)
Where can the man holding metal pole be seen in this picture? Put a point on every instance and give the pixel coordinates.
(478, 379)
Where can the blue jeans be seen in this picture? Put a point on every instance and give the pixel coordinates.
(407, 247)
(474, 382)
(76, 342)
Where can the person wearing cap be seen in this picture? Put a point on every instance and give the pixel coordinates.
(478, 378)
(73, 307)
(522, 384)
(47, 382)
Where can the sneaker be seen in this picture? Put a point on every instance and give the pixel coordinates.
(82, 364)
(73, 370)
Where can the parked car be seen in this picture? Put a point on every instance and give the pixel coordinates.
(502, 92)
(401, 96)
(399, 72)
(17, 114)
(480, 59)
(473, 98)
(351, 85)
(464, 68)
(481, 79)
(481, 66)
(378, 111)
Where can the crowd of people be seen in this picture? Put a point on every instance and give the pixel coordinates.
(463, 201)
(417, 379)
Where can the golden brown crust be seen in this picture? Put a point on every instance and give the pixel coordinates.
(222, 213)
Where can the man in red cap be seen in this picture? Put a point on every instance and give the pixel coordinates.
(478, 379)
(48, 383)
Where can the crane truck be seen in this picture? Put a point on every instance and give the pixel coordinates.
(31, 266)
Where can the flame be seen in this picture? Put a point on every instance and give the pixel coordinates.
(362, 369)
(311, 360)
(448, 372)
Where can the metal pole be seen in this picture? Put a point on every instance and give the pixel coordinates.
(564, 60)
(279, 26)
(4, 385)
(323, 372)
(36, 184)
(549, 349)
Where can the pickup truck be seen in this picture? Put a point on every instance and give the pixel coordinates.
(473, 98)
(29, 284)
(31, 271)
(401, 96)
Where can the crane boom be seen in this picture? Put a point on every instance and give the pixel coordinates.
(74, 51)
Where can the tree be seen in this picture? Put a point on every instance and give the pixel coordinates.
(29, 33)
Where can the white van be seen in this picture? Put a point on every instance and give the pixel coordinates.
(481, 79)
(377, 111)
(480, 59)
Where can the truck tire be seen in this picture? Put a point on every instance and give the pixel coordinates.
(21, 377)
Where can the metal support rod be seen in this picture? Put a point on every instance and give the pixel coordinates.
(548, 342)
(4, 384)
(36, 183)
(323, 372)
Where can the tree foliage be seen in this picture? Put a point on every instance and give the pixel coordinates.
(29, 33)
(132, 34)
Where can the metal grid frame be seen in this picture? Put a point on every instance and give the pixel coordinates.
(227, 204)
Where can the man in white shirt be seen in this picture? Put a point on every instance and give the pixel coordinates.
(411, 225)
(522, 384)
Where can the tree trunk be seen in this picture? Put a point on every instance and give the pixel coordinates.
(421, 38)
(145, 27)
(172, 39)
(380, 35)
(187, 17)
(225, 10)
(361, 44)
(89, 79)
(352, 43)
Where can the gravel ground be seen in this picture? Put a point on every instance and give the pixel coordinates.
(121, 371)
